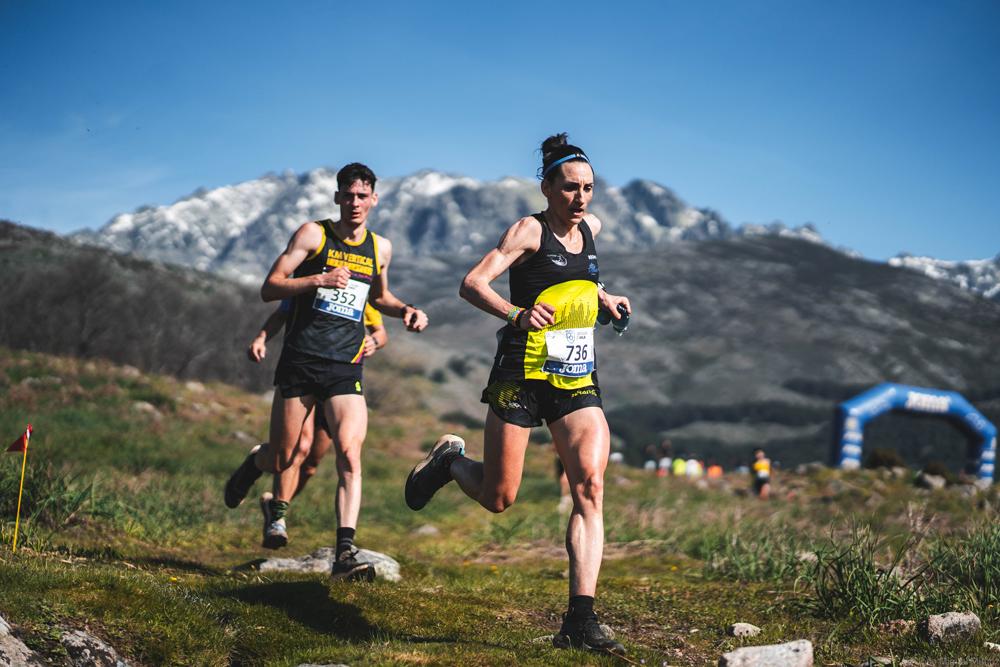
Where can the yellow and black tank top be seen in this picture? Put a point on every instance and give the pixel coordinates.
(329, 322)
(563, 353)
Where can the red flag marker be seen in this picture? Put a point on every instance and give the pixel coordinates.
(20, 445)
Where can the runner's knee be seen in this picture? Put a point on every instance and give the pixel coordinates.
(499, 500)
(590, 490)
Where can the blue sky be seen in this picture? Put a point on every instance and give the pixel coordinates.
(879, 122)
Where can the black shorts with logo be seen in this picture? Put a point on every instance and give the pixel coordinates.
(301, 374)
(527, 402)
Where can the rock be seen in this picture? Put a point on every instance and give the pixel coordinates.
(245, 437)
(427, 530)
(990, 646)
(194, 387)
(899, 472)
(544, 639)
(44, 381)
(807, 557)
(939, 628)
(13, 651)
(932, 482)
(85, 650)
(321, 560)
(968, 490)
(793, 654)
(309, 664)
(742, 630)
(130, 372)
(147, 408)
(897, 627)
(877, 661)
(607, 630)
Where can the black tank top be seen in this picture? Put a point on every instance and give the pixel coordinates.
(567, 282)
(329, 322)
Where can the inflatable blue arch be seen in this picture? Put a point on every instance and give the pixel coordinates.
(853, 414)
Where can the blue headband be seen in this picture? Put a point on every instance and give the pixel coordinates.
(574, 156)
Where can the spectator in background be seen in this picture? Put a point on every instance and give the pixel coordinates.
(761, 471)
(679, 466)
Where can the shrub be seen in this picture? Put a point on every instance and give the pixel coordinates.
(884, 458)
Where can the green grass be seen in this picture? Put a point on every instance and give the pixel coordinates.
(124, 533)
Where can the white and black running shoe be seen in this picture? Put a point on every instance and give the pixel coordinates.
(275, 533)
(433, 472)
(586, 633)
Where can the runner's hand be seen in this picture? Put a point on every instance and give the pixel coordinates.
(370, 346)
(414, 319)
(336, 277)
(610, 303)
(257, 350)
(537, 317)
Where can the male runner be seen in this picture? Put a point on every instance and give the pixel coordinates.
(329, 270)
(315, 438)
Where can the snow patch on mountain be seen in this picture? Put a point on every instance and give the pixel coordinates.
(978, 275)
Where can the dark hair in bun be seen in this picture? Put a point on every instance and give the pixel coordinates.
(557, 150)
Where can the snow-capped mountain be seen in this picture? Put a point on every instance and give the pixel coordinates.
(978, 275)
(238, 230)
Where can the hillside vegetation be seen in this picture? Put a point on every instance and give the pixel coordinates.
(125, 534)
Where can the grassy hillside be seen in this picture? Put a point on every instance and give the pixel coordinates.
(126, 534)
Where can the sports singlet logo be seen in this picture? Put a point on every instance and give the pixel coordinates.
(557, 259)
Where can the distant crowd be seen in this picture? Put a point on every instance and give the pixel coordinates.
(659, 458)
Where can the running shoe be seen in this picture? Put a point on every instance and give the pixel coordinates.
(239, 483)
(275, 533)
(347, 567)
(586, 633)
(433, 472)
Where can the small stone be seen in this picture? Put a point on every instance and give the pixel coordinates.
(932, 482)
(147, 408)
(427, 530)
(807, 557)
(950, 626)
(990, 646)
(86, 650)
(877, 661)
(328, 664)
(544, 639)
(194, 387)
(244, 437)
(793, 654)
(130, 372)
(607, 630)
(742, 630)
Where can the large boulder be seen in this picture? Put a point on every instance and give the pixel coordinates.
(322, 559)
(793, 654)
(13, 652)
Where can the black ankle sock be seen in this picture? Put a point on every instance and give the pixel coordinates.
(581, 606)
(278, 508)
(345, 539)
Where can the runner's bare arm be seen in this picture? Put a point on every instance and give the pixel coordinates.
(280, 285)
(384, 300)
(258, 346)
(519, 241)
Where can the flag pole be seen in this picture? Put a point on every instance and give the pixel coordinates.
(24, 462)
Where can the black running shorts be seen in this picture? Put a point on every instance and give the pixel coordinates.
(300, 374)
(527, 402)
